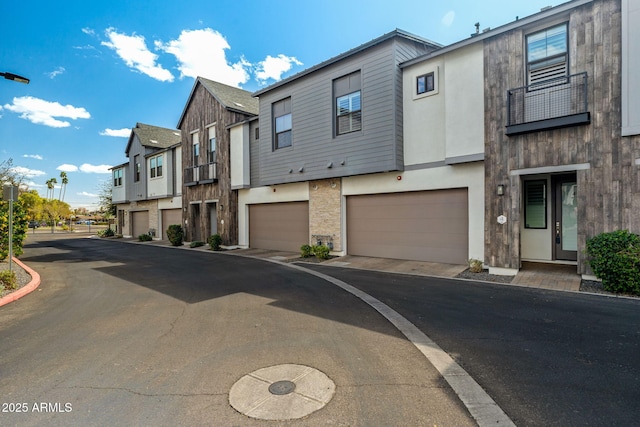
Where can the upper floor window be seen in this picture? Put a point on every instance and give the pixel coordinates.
(348, 105)
(282, 124)
(425, 83)
(195, 141)
(117, 178)
(211, 149)
(547, 57)
(155, 166)
(138, 167)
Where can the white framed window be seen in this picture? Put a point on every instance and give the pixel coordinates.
(155, 166)
(195, 150)
(117, 178)
(425, 83)
(138, 167)
(211, 149)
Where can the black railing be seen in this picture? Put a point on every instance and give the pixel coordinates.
(201, 174)
(552, 99)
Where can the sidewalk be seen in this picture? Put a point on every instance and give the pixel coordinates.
(532, 275)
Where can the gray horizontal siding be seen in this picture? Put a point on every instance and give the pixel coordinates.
(377, 148)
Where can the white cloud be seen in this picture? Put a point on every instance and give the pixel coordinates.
(134, 52)
(43, 112)
(202, 53)
(67, 168)
(95, 168)
(84, 193)
(124, 132)
(53, 74)
(33, 156)
(448, 18)
(88, 31)
(273, 68)
(33, 184)
(29, 173)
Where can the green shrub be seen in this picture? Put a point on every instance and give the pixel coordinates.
(306, 251)
(321, 251)
(475, 265)
(615, 259)
(145, 238)
(8, 280)
(107, 232)
(196, 244)
(175, 234)
(215, 241)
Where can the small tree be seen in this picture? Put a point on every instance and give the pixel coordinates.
(20, 224)
(215, 242)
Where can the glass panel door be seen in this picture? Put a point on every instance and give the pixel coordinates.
(566, 218)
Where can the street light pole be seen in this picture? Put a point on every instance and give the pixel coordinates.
(15, 78)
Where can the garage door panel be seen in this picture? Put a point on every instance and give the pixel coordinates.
(424, 226)
(170, 217)
(279, 226)
(140, 223)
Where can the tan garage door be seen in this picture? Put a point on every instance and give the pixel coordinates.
(169, 217)
(280, 226)
(422, 226)
(139, 223)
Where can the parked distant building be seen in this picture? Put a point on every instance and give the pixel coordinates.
(147, 190)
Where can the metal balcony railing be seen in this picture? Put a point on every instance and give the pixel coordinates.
(206, 173)
(550, 104)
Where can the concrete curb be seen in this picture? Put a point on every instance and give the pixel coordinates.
(26, 289)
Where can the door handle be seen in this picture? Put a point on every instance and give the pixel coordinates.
(558, 232)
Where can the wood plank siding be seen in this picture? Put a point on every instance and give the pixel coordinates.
(608, 182)
(203, 111)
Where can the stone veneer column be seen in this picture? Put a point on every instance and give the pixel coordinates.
(325, 211)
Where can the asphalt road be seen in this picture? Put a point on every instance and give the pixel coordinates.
(547, 358)
(134, 334)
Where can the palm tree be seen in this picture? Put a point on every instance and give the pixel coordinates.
(51, 185)
(63, 187)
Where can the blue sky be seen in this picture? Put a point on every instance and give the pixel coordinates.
(99, 67)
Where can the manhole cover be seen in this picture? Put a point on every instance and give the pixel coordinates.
(281, 392)
(281, 388)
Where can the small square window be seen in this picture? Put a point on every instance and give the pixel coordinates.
(425, 83)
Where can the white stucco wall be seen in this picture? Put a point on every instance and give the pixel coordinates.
(470, 176)
(448, 122)
(240, 163)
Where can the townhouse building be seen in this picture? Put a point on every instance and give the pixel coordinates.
(562, 134)
(146, 189)
(336, 158)
(209, 203)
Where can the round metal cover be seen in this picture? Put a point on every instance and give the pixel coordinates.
(280, 388)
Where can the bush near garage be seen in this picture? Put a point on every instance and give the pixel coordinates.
(175, 234)
(145, 238)
(615, 259)
(215, 242)
(321, 252)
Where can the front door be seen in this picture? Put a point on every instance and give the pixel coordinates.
(213, 218)
(565, 217)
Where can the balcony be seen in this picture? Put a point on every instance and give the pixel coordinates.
(201, 174)
(552, 104)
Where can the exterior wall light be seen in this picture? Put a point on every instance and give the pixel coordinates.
(500, 190)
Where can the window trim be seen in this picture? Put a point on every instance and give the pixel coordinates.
(117, 177)
(552, 60)
(286, 107)
(155, 166)
(351, 112)
(526, 203)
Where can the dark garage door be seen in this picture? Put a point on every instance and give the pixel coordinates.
(280, 226)
(421, 226)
